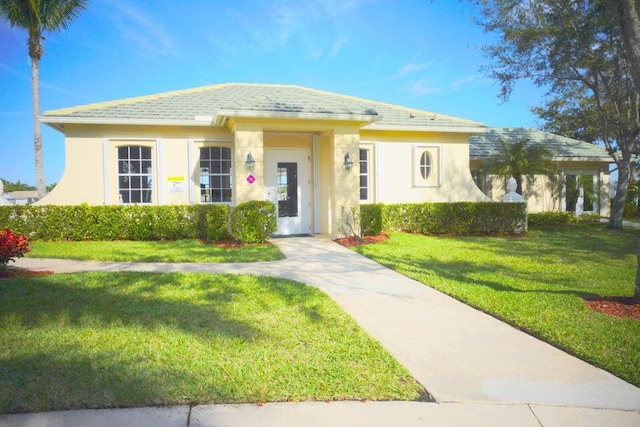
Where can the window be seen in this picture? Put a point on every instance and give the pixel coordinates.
(425, 165)
(135, 172)
(364, 175)
(215, 175)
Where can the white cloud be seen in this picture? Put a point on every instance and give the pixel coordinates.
(457, 84)
(422, 87)
(136, 25)
(408, 69)
(337, 46)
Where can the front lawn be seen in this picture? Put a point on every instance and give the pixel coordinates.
(154, 251)
(97, 340)
(536, 283)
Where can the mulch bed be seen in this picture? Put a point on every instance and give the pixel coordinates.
(364, 240)
(615, 306)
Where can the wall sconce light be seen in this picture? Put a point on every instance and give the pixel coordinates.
(251, 162)
(347, 162)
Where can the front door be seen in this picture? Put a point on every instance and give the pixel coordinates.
(288, 187)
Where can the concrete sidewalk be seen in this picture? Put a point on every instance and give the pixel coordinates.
(480, 370)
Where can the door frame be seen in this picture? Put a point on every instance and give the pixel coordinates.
(305, 198)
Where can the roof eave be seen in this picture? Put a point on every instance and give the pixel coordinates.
(58, 122)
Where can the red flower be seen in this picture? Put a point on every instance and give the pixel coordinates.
(12, 245)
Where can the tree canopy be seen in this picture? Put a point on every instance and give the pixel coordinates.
(577, 51)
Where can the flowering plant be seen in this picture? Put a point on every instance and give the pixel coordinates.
(12, 245)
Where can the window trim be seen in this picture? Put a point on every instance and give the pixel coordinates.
(111, 171)
(368, 174)
(197, 171)
(435, 177)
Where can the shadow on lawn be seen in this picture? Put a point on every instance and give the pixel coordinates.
(124, 299)
(467, 272)
(575, 243)
(67, 375)
(65, 378)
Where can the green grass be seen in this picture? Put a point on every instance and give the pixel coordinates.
(96, 340)
(155, 251)
(536, 283)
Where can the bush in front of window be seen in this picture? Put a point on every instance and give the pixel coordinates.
(212, 222)
(253, 221)
(371, 219)
(459, 218)
(134, 222)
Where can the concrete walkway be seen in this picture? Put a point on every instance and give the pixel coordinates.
(480, 370)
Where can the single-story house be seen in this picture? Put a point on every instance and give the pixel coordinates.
(310, 152)
(583, 182)
(24, 197)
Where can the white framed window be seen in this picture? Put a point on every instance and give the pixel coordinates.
(365, 174)
(427, 166)
(215, 175)
(135, 174)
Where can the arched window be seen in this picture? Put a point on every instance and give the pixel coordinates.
(426, 165)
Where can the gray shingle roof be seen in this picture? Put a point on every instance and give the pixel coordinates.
(293, 101)
(487, 144)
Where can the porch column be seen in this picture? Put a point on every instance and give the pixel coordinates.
(346, 183)
(248, 138)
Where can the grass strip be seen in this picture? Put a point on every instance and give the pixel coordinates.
(154, 251)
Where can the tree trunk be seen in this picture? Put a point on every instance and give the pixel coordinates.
(37, 134)
(518, 179)
(636, 290)
(626, 16)
(617, 206)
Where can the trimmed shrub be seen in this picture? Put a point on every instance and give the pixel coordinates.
(253, 221)
(551, 218)
(371, 219)
(459, 218)
(84, 222)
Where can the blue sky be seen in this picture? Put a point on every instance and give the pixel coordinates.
(417, 53)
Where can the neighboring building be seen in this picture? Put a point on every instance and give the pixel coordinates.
(583, 184)
(25, 197)
(309, 151)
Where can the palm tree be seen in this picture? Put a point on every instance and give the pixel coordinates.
(520, 159)
(38, 16)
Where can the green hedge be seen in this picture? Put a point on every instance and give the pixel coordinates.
(84, 222)
(253, 221)
(560, 218)
(459, 218)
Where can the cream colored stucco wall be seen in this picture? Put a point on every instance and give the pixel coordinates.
(397, 174)
(86, 146)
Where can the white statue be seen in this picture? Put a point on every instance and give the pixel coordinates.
(511, 195)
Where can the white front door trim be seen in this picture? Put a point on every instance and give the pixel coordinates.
(281, 162)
